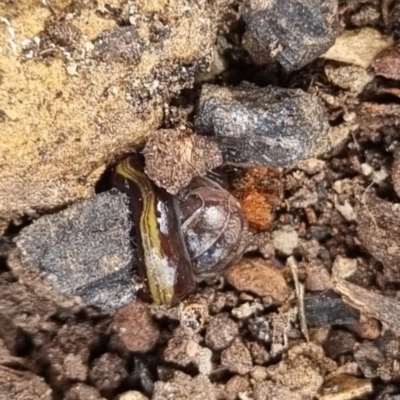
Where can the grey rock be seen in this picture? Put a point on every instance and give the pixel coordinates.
(84, 251)
(292, 32)
(327, 308)
(262, 126)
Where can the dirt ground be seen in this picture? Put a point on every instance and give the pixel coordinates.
(312, 308)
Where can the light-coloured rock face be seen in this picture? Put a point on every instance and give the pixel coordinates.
(72, 102)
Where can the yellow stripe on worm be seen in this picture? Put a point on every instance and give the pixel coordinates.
(160, 281)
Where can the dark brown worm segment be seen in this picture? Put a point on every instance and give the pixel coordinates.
(164, 263)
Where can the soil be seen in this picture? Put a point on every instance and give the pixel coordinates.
(311, 311)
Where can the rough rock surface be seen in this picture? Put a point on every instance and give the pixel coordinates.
(262, 126)
(379, 232)
(292, 32)
(78, 94)
(19, 385)
(183, 387)
(83, 251)
(260, 277)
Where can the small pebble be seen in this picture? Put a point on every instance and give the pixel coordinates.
(221, 332)
(272, 391)
(339, 342)
(339, 136)
(259, 353)
(132, 395)
(285, 240)
(259, 277)
(347, 387)
(184, 387)
(350, 77)
(368, 330)
(311, 166)
(107, 372)
(136, 328)
(302, 370)
(259, 373)
(261, 329)
(380, 176)
(259, 191)
(318, 277)
(174, 157)
(237, 358)
(80, 391)
(246, 310)
(366, 169)
(237, 384)
(182, 349)
(344, 267)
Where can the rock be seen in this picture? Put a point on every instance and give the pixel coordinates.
(344, 267)
(380, 176)
(259, 374)
(318, 277)
(268, 126)
(82, 252)
(132, 395)
(20, 385)
(346, 210)
(340, 135)
(367, 15)
(107, 372)
(395, 173)
(21, 309)
(387, 63)
(235, 385)
(339, 342)
(135, 327)
(113, 101)
(246, 310)
(183, 349)
(346, 387)
(366, 169)
(174, 157)
(259, 277)
(237, 358)
(369, 358)
(311, 166)
(221, 332)
(259, 353)
(379, 232)
(268, 390)
(302, 371)
(285, 240)
(259, 191)
(184, 387)
(65, 351)
(292, 32)
(358, 47)
(327, 308)
(349, 77)
(369, 329)
(80, 391)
